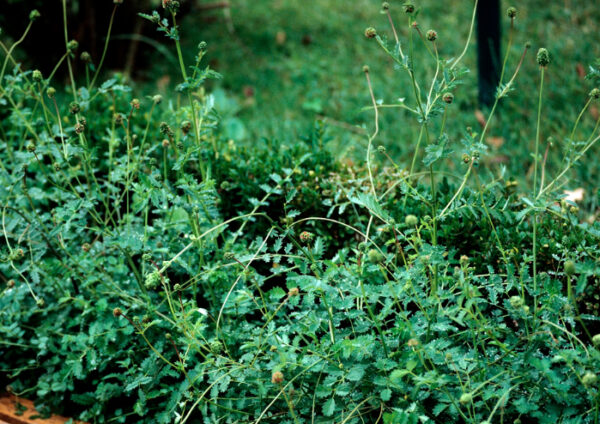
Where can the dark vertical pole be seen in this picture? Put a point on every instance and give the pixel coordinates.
(488, 49)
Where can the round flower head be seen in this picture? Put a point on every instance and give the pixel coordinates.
(74, 108)
(465, 398)
(277, 377)
(570, 268)
(385, 6)
(516, 301)
(543, 57)
(409, 7)
(37, 75)
(589, 379)
(294, 291)
(366, 69)
(448, 98)
(34, 14)
(512, 12)
(157, 98)
(375, 256)
(72, 45)
(51, 92)
(411, 220)
(86, 57)
(596, 340)
(305, 236)
(431, 35)
(117, 312)
(370, 32)
(595, 93)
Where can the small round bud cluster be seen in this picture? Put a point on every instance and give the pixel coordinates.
(431, 35)
(135, 104)
(51, 92)
(79, 128)
(366, 69)
(202, 46)
(17, 255)
(448, 98)
(165, 129)
(277, 377)
(152, 280)
(412, 343)
(171, 5)
(56, 166)
(306, 236)
(543, 57)
(165, 143)
(86, 57)
(570, 268)
(34, 14)
(465, 398)
(596, 340)
(31, 147)
(516, 302)
(146, 257)
(37, 75)
(595, 93)
(216, 346)
(512, 12)
(118, 118)
(294, 291)
(40, 303)
(118, 1)
(72, 45)
(74, 108)
(381, 149)
(411, 220)
(464, 260)
(385, 6)
(370, 32)
(10, 283)
(157, 98)
(375, 256)
(186, 126)
(117, 312)
(466, 158)
(409, 7)
(86, 247)
(589, 379)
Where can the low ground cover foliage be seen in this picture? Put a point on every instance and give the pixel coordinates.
(155, 269)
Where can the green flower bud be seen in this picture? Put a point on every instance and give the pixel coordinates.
(409, 7)
(465, 398)
(37, 75)
(543, 57)
(431, 35)
(570, 268)
(86, 57)
(72, 45)
(511, 12)
(448, 98)
(411, 220)
(596, 340)
(370, 32)
(34, 14)
(51, 92)
(74, 108)
(516, 301)
(375, 256)
(595, 93)
(589, 379)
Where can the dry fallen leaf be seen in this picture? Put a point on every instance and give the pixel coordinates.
(480, 117)
(495, 142)
(580, 70)
(575, 195)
